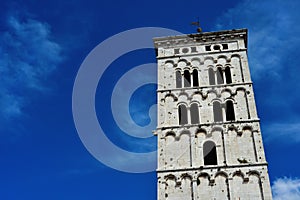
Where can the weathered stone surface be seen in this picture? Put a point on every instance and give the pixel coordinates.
(218, 152)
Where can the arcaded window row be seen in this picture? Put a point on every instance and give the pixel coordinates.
(220, 112)
(216, 77)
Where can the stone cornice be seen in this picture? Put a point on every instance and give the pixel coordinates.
(200, 38)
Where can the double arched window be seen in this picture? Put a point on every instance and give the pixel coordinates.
(183, 114)
(219, 76)
(187, 79)
(228, 109)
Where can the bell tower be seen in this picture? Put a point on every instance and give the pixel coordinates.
(209, 138)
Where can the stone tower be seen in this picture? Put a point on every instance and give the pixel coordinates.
(209, 138)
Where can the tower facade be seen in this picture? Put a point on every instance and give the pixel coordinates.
(209, 138)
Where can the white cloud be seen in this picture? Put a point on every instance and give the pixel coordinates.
(288, 132)
(273, 33)
(28, 55)
(286, 189)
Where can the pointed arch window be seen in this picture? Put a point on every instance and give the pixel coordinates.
(220, 79)
(218, 116)
(187, 78)
(211, 76)
(210, 153)
(195, 78)
(178, 79)
(182, 114)
(228, 75)
(194, 114)
(229, 109)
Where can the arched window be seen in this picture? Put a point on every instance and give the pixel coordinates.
(229, 111)
(195, 78)
(182, 114)
(178, 80)
(211, 76)
(228, 75)
(187, 78)
(210, 153)
(218, 116)
(194, 113)
(220, 76)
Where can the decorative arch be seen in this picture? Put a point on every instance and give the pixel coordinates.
(171, 95)
(239, 174)
(221, 173)
(204, 175)
(247, 127)
(254, 173)
(170, 61)
(197, 60)
(183, 93)
(186, 175)
(216, 128)
(185, 132)
(184, 60)
(170, 133)
(223, 56)
(197, 93)
(171, 177)
(200, 130)
(236, 56)
(227, 90)
(213, 91)
(210, 58)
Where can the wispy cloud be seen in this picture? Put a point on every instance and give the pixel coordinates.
(286, 188)
(273, 51)
(28, 55)
(284, 132)
(273, 33)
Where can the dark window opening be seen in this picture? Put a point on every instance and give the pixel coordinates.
(228, 75)
(185, 50)
(218, 116)
(210, 153)
(198, 181)
(211, 76)
(193, 49)
(195, 78)
(217, 47)
(178, 80)
(229, 111)
(176, 51)
(182, 114)
(194, 114)
(207, 48)
(225, 46)
(187, 78)
(220, 79)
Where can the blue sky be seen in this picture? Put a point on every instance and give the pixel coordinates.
(42, 45)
